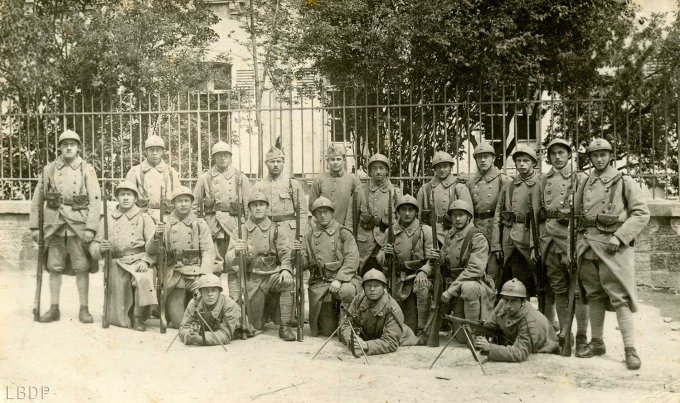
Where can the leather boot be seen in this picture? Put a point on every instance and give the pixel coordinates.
(138, 324)
(84, 315)
(51, 315)
(632, 360)
(581, 345)
(286, 333)
(595, 347)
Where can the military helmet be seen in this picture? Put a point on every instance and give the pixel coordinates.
(441, 157)
(273, 154)
(257, 196)
(560, 142)
(182, 190)
(407, 199)
(524, 149)
(209, 280)
(154, 141)
(126, 184)
(69, 135)
(335, 150)
(461, 205)
(484, 148)
(322, 202)
(514, 288)
(221, 147)
(374, 274)
(598, 144)
(378, 158)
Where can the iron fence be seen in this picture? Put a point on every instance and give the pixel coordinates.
(406, 124)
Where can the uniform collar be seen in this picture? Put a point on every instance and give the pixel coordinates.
(385, 187)
(410, 230)
(332, 175)
(75, 164)
(263, 225)
(216, 310)
(228, 173)
(530, 181)
(377, 308)
(490, 175)
(330, 229)
(116, 213)
(461, 233)
(188, 220)
(146, 167)
(282, 178)
(450, 180)
(606, 177)
(565, 172)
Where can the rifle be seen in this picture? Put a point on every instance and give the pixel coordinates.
(107, 260)
(481, 328)
(347, 319)
(243, 298)
(573, 267)
(162, 263)
(435, 314)
(41, 252)
(202, 325)
(540, 269)
(299, 280)
(355, 210)
(391, 267)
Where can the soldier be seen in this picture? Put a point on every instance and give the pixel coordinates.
(73, 205)
(130, 240)
(529, 331)
(332, 257)
(277, 187)
(466, 251)
(269, 270)
(337, 185)
(557, 186)
(220, 313)
(443, 188)
(190, 253)
(412, 242)
(485, 187)
(153, 177)
(378, 318)
(614, 213)
(372, 204)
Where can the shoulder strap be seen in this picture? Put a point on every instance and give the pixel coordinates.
(428, 192)
(142, 174)
(467, 245)
(366, 198)
(512, 190)
(612, 190)
(82, 176)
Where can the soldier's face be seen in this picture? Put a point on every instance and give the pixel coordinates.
(323, 215)
(559, 156)
(512, 305)
(209, 295)
(378, 171)
(182, 204)
(600, 159)
(407, 214)
(374, 290)
(524, 164)
(154, 155)
(443, 170)
(222, 160)
(275, 166)
(69, 149)
(337, 163)
(460, 219)
(126, 199)
(484, 161)
(258, 209)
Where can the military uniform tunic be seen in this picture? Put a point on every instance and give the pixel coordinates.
(281, 205)
(445, 192)
(223, 318)
(484, 190)
(149, 181)
(339, 190)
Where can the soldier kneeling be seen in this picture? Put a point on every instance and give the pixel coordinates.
(377, 319)
(527, 328)
(211, 317)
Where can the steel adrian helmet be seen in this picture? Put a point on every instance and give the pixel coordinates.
(126, 184)
(599, 144)
(221, 147)
(374, 274)
(69, 135)
(559, 142)
(441, 157)
(182, 190)
(378, 158)
(209, 280)
(523, 149)
(322, 202)
(484, 148)
(461, 205)
(514, 288)
(257, 196)
(407, 199)
(335, 150)
(273, 154)
(154, 141)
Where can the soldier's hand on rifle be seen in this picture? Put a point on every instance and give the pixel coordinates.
(239, 245)
(361, 343)
(388, 248)
(285, 278)
(194, 339)
(35, 234)
(297, 245)
(446, 297)
(613, 244)
(105, 245)
(498, 254)
(421, 280)
(142, 267)
(335, 286)
(534, 256)
(88, 236)
(432, 253)
(160, 231)
(482, 343)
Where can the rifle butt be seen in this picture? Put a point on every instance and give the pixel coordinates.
(38, 287)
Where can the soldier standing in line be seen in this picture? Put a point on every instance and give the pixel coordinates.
(73, 204)
(444, 188)
(485, 187)
(152, 177)
(269, 271)
(337, 185)
(557, 186)
(613, 214)
(190, 253)
(412, 242)
(330, 254)
(131, 278)
(373, 211)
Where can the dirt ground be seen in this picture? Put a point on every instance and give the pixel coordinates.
(87, 363)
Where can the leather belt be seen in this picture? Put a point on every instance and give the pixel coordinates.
(283, 217)
(117, 254)
(484, 215)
